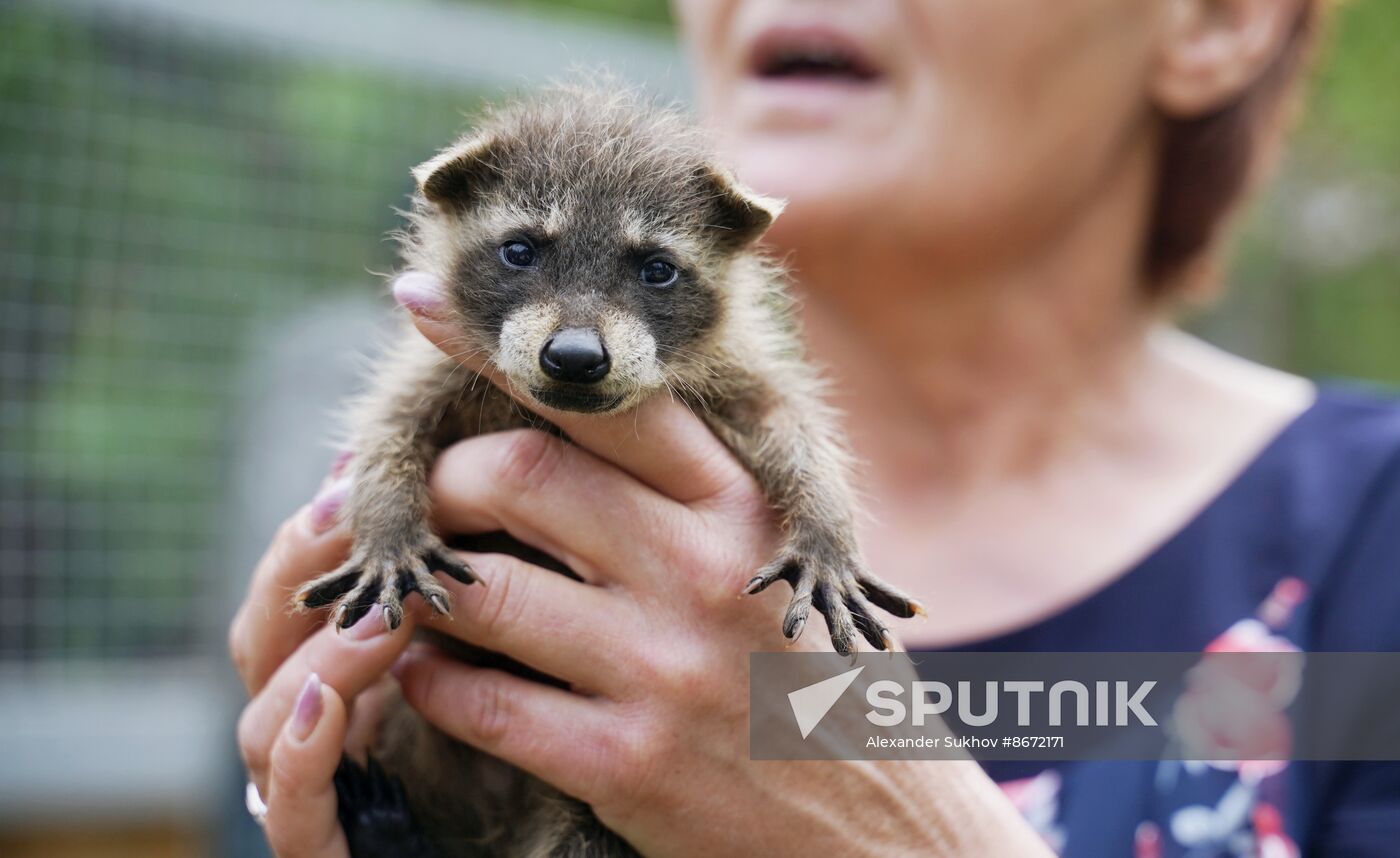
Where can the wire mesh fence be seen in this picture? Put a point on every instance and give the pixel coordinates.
(163, 197)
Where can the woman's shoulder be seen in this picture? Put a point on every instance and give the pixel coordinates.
(1353, 417)
(1341, 460)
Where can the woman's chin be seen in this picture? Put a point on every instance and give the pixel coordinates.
(818, 180)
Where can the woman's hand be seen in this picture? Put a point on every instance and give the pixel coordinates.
(300, 672)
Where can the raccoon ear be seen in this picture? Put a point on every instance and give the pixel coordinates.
(743, 213)
(457, 173)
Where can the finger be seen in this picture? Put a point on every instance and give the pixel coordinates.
(348, 661)
(555, 497)
(301, 800)
(264, 631)
(662, 443)
(540, 618)
(554, 734)
(666, 446)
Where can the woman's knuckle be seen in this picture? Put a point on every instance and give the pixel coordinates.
(290, 536)
(529, 459)
(689, 673)
(645, 751)
(239, 650)
(285, 773)
(503, 602)
(488, 711)
(251, 741)
(745, 504)
(676, 669)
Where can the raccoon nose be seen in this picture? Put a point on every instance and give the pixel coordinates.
(575, 355)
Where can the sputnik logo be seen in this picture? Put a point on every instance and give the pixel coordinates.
(810, 704)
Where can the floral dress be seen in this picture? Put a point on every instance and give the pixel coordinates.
(1300, 552)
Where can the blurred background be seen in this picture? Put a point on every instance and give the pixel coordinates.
(193, 201)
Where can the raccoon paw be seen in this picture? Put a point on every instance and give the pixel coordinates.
(838, 585)
(374, 814)
(384, 577)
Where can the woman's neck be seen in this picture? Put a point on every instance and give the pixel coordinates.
(950, 377)
(961, 389)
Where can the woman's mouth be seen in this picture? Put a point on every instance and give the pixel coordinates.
(810, 55)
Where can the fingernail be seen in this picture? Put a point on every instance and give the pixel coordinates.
(418, 293)
(369, 626)
(325, 508)
(308, 709)
(338, 465)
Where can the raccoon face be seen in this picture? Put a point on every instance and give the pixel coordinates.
(592, 287)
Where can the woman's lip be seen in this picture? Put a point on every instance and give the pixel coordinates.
(775, 42)
(798, 105)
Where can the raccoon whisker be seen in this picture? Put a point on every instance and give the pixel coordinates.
(707, 371)
(457, 340)
(707, 363)
(464, 354)
(458, 358)
(466, 387)
(686, 384)
(636, 428)
(671, 388)
(534, 421)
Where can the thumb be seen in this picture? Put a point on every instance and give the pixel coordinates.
(426, 300)
(301, 801)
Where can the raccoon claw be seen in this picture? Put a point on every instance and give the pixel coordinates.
(366, 581)
(441, 561)
(844, 594)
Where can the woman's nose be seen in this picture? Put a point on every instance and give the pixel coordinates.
(576, 356)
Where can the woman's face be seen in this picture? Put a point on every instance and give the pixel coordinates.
(958, 125)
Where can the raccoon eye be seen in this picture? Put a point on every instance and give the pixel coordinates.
(659, 272)
(518, 254)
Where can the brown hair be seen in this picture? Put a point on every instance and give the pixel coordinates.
(1208, 162)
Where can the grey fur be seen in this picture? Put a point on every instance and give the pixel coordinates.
(599, 182)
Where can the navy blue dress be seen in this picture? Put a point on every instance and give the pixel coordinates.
(1301, 550)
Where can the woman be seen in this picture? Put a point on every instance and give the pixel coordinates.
(992, 203)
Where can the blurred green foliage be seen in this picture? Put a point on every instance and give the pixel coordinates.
(165, 199)
(1313, 283)
(1355, 104)
(627, 12)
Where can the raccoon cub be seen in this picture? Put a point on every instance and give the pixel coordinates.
(597, 254)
